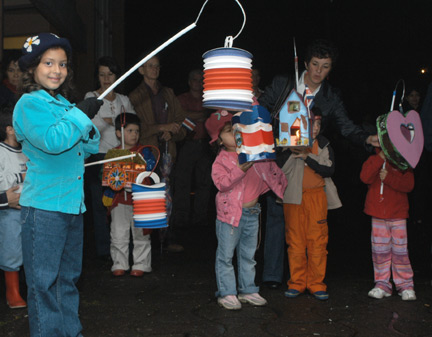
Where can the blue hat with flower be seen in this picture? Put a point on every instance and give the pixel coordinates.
(38, 44)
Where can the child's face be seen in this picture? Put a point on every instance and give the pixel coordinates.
(227, 137)
(51, 72)
(316, 128)
(131, 135)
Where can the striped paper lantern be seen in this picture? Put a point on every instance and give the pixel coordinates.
(149, 203)
(254, 135)
(228, 79)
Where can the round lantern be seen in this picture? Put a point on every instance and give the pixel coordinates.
(149, 202)
(228, 79)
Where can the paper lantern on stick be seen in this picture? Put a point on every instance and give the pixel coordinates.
(401, 134)
(228, 79)
(401, 138)
(149, 202)
(254, 135)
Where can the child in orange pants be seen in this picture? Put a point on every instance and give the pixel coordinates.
(309, 194)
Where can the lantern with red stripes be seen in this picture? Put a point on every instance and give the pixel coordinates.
(254, 135)
(228, 79)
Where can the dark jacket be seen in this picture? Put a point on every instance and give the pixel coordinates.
(327, 99)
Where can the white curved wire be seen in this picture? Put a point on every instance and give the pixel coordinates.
(244, 19)
(202, 8)
(394, 94)
(162, 46)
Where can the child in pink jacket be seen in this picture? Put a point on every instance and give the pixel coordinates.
(237, 213)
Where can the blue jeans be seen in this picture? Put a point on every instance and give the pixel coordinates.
(10, 240)
(101, 225)
(274, 241)
(243, 239)
(52, 250)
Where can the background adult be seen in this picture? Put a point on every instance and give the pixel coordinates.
(320, 57)
(193, 167)
(107, 71)
(161, 117)
(12, 75)
(412, 99)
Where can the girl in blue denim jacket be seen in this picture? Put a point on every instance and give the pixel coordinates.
(56, 136)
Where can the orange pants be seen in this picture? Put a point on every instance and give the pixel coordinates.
(306, 234)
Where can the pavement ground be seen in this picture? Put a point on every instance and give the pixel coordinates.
(177, 298)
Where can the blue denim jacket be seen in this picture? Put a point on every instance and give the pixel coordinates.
(55, 137)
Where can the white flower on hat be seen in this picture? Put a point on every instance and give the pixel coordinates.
(30, 41)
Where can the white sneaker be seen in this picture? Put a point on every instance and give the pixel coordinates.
(254, 299)
(378, 293)
(229, 302)
(408, 295)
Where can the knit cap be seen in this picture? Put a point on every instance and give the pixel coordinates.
(38, 44)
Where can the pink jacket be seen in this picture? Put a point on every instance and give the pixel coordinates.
(228, 179)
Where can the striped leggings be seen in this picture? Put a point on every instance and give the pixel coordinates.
(389, 250)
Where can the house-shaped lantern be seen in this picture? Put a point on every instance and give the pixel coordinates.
(294, 122)
(254, 135)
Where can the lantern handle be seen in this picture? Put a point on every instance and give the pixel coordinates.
(229, 39)
(394, 95)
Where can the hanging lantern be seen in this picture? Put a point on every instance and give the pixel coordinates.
(228, 79)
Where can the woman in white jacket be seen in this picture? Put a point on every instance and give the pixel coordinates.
(107, 71)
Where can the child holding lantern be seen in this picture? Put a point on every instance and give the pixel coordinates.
(56, 136)
(310, 192)
(387, 203)
(238, 209)
(127, 126)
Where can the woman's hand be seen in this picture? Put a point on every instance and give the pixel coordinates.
(166, 136)
(373, 140)
(108, 120)
(300, 152)
(170, 127)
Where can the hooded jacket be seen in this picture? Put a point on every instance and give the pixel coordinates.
(228, 178)
(393, 203)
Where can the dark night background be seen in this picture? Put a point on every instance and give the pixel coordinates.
(379, 41)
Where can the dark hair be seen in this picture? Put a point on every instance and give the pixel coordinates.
(127, 118)
(111, 63)
(5, 121)
(316, 111)
(321, 49)
(29, 84)
(410, 89)
(9, 56)
(194, 72)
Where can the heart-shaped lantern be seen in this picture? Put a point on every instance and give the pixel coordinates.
(401, 138)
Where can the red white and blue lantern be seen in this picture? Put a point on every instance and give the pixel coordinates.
(254, 135)
(228, 79)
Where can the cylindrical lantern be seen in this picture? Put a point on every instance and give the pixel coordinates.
(149, 203)
(228, 79)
